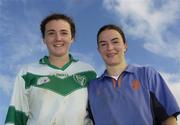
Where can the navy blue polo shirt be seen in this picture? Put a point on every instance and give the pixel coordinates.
(140, 96)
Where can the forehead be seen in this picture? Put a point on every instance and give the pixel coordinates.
(109, 34)
(57, 24)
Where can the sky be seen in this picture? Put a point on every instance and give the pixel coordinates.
(151, 28)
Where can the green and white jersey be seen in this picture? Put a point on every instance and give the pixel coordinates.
(46, 95)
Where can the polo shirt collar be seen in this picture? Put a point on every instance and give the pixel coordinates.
(129, 69)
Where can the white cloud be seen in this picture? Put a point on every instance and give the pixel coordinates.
(175, 90)
(173, 81)
(144, 19)
(6, 84)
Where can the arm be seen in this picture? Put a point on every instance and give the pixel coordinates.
(163, 101)
(17, 111)
(170, 121)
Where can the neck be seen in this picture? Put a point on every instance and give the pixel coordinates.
(116, 70)
(59, 61)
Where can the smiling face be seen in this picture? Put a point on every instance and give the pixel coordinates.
(58, 38)
(111, 47)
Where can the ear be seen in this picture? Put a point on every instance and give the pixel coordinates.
(125, 47)
(72, 39)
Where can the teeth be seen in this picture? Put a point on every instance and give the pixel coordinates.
(58, 45)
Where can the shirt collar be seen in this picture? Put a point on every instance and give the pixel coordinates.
(45, 61)
(129, 69)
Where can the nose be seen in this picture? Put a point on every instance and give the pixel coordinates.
(58, 36)
(110, 46)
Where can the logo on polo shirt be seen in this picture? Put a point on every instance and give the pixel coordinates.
(42, 80)
(80, 79)
(136, 85)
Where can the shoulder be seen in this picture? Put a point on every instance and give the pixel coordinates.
(83, 65)
(142, 69)
(94, 86)
(95, 82)
(31, 68)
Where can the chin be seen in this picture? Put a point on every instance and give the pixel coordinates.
(59, 54)
(112, 64)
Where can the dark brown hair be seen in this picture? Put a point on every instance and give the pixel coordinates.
(114, 27)
(58, 16)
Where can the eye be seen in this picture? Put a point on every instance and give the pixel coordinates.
(115, 42)
(102, 44)
(64, 33)
(50, 33)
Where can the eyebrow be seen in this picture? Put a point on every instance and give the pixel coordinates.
(52, 30)
(116, 38)
(102, 41)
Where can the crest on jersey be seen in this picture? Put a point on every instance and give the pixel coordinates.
(61, 75)
(136, 85)
(42, 80)
(80, 79)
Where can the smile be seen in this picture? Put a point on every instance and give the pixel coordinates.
(58, 45)
(111, 54)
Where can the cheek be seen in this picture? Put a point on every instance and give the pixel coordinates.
(120, 49)
(46, 41)
(101, 52)
(70, 40)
